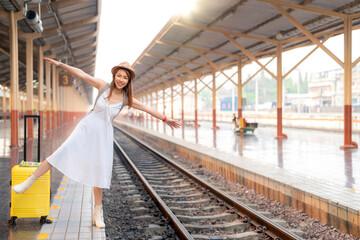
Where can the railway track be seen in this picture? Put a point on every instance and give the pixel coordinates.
(196, 208)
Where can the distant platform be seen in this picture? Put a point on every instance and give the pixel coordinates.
(307, 171)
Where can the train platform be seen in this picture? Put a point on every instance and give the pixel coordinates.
(307, 171)
(71, 203)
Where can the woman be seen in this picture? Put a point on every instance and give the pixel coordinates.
(87, 154)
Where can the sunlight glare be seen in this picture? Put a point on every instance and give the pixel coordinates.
(184, 6)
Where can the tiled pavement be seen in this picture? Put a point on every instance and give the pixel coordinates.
(71, 212)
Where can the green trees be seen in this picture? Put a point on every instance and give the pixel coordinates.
(267, 88)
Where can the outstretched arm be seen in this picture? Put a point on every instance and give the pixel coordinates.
(95, 82)
(140, 106)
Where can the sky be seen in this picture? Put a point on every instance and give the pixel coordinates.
(128, 27)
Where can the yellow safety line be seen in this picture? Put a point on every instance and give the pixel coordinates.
(43, 236)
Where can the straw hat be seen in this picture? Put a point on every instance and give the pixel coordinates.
(125, 66)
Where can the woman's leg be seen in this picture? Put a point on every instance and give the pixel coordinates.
(98, 195)
(42, 169)
(98, 218)
(22, 187)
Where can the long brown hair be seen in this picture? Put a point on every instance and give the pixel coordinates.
(128, 88)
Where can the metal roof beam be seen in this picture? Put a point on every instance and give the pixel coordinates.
(147, 83)
(175, 59)
(160, 66)
(71, 26)
(304, 58)
(61, 4)
(85, 36)
(227, 80)
(156, 74)
(318, 35)
(216, 67)
(167, 83)
(305, 8)
(4, 28)
(355, 15)
(189, 71)
(162, 32)
(243, 84)
(355, 62)
(158, 77)
(4, 14)
(169, 69)
(73, 40)
(85, 47)
(85, 62)
(247, 53)
(308, 34)
(199, 49)
(218, 30)
(8, 54)
(86, 55)
(153, 79)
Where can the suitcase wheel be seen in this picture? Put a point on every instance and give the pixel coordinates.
(44, 219)
(12, 221)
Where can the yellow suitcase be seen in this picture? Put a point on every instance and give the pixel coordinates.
(35, 202)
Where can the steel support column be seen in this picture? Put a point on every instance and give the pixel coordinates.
(61, 97)
(54, 109)
(214, 100)
(4, 104)
(239, 85)
(279, 82)
(157, 99)
(151, 104)
(196, 103)
(164, 100)
(348, 143)
(48, 100)
(14, 80)
(29, 84)
(57, 87)
(23, 108)
(66, 105)
(147, 103)
(182, 102)
(41, 86)
(172, 102)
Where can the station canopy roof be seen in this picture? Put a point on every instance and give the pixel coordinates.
(217, 34)
(70, 34)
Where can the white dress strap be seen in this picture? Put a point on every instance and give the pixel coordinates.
(100, 93)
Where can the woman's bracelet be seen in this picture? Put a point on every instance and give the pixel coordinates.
(164, 119)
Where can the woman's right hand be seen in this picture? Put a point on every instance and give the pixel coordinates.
(52, 61)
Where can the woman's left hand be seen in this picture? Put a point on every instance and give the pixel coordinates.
(52, 61)
(172, 123)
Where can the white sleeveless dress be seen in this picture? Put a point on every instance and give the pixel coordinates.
(86, 156)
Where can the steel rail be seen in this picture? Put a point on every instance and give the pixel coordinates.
(180, 229)
(256, 219)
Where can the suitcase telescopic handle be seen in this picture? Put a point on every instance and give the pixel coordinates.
(25, 118)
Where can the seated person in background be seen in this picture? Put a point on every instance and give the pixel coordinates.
(235, 120)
